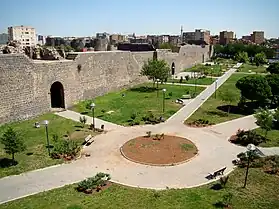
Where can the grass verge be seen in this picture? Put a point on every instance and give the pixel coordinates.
(252, 68)
(261, 193)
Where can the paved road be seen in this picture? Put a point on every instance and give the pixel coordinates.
(190, 108)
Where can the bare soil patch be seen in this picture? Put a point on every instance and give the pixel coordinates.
(166, 150)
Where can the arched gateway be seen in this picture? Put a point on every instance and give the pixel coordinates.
(57, 95)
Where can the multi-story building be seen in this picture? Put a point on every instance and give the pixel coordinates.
(41, 40)
(3, 38)
(226, 37)
(188, 36)
(214, 40)
(117, 38)
(102, 35)
(163, 39)
(199, 35)
(54, 41)
(257, 37)
(174, 40)
(24, 34)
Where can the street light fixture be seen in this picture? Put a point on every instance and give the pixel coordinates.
(211, 73)
(46, 122)
(215, 92)
(157, 80)
(250, 149)
(164, 92)
(92, 106)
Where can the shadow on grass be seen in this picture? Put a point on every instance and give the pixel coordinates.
(78, 126)
(74, 207)
(216, 187)
(143, 89)
(6, 162)
(236, 110)
(84, 113)
(219, 205)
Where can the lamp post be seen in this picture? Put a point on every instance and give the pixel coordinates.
(164, 92)
(250, 149)
(92, 106)
(157, 80)
(211, 73)
(45, 122)
(215, 92)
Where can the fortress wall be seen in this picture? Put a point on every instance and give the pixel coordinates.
(25, 84)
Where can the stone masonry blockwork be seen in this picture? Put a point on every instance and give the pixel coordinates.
(25, 84)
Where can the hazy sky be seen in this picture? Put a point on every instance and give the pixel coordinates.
(86, 17)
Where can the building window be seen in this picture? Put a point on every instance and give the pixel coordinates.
(26, 39)
(26, 32)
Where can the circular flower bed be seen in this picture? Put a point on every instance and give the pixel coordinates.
(159, 150)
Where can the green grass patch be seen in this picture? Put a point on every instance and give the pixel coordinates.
(118, 107)
(211, 70)
(272, 135)
(36, 155)
(252, 68)
(187, 147)
(261, 193)
(209, 110)
(225, 61)
(198, 81)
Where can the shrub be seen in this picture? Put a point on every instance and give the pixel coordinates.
(83, 120)
(133, 116)
(64, 148)
(181, 79)
(170, 94)
(187, 77)
(148, 133)
(247, 137)
(95, 182)
(151, 119)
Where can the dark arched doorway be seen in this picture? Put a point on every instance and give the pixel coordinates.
(173, 68)
(57, 95)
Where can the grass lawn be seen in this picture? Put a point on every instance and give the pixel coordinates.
(214, 70)
(225, 61)
(35, 140)
(272, 135)
(261, 193)
(209, 110)
(247, 67)
(118, 107)
(199, 81)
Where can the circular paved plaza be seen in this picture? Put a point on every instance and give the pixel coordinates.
(213, 153)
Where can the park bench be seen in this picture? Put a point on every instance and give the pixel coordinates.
(179, 101)
(216, 173)
(88, 140)
(186, 96)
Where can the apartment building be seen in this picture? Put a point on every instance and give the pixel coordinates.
(26, 35)
(257, 37)
(3, 38)
(226, 37)
(198, 35)
(117, 38)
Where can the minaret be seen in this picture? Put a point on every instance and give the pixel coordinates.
(181, 33)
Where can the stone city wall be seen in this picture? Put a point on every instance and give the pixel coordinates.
(25, 84)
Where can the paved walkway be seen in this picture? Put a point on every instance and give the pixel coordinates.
(185, 112)
(98, 122)
(214, 152)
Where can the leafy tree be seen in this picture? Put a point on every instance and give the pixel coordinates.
(264, 119)
(229, 97)
(260, 59)
(255, 88)
(273, 82)
(273, 68)
(155, 69)
(242, 57)
(13, 142)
